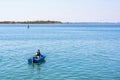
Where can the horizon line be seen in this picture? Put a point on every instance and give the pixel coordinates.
(59, 21)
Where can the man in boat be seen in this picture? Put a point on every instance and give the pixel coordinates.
(38, 54)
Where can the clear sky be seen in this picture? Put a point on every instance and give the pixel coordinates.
(60, 10)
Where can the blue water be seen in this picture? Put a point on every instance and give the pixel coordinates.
(74, 51)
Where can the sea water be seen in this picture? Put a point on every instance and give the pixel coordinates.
(74, 51)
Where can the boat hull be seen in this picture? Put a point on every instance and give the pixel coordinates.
(36, 60)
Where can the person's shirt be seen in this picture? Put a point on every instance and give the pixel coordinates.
(38, 54)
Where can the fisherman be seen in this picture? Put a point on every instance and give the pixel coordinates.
(38, 54)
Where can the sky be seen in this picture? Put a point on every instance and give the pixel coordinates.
(60, 10)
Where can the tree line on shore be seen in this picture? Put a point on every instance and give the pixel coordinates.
(30, 22)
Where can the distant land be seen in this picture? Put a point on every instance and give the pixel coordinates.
(53, 22)
(30, 22)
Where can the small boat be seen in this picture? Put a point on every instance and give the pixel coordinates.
(36, 60)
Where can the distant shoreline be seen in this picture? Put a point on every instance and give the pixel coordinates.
(30, 22)
(54, 22)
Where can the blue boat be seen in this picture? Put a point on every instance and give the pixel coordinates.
(36, 60)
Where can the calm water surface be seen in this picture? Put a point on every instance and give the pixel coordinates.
(74, 51)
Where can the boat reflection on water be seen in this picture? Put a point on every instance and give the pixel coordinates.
(36, 65)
